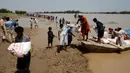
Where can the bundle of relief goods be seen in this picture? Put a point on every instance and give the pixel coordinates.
(20, 49)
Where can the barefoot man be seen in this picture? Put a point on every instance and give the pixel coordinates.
(100, 29)
(85, 27)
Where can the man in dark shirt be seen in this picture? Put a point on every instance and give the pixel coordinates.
(50, 37)
(100, 29)
(22, 63)
(63, 20)
(75, 16)
(61, 23)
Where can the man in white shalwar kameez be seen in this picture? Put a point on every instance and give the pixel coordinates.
(64, 36)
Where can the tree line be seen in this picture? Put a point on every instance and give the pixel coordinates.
(3, 10)
(68, 11)
(20, 12)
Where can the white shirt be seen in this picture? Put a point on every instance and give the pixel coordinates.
(106, 35)
(31, 21)
(121, 32)
(35, 21)
(65, 30)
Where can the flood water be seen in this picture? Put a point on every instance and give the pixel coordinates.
(109, 20)
(109, 62)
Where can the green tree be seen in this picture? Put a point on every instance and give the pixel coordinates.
(3, 10)
(20, 12)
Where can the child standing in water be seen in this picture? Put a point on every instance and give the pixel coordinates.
(50, 37)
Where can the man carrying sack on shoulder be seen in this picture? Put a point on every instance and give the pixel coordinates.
(9, 29)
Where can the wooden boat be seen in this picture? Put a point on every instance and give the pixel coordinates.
(93, 46)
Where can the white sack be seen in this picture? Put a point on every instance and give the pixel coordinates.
(20, 49)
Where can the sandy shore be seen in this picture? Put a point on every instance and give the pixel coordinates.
(45, 61)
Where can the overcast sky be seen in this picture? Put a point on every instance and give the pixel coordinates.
(61, 5)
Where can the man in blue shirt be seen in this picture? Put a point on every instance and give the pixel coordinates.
(70, 34)
(9, 29)
(15, 23)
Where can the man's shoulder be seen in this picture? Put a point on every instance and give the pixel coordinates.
(31, 20)
(25, 35)
(1, 20)
(121, 31)
(50, 32)
(99, 22)
(26, 38)
(83, 17)
(8, 22)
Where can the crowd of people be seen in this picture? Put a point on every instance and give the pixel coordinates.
(49, 17)
(118, 35)
(65, 34)
(9, 26)
(65, 31)
(33, 21)
(114, 36)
